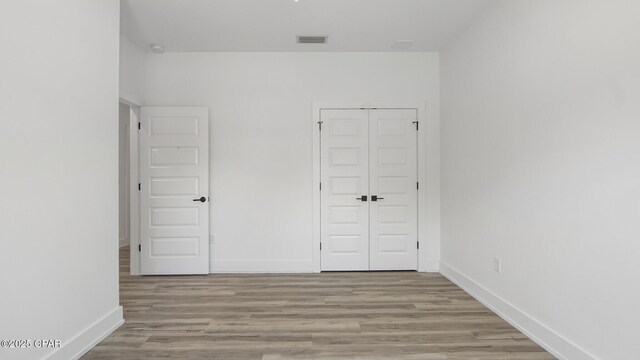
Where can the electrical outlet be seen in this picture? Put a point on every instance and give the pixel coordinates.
(497, 264)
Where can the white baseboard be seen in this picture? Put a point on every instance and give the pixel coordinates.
(90, 337)
(281, 266)
(124, 242)
(270, 266)
(550, 340)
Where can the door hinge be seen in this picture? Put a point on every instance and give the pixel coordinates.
(139, 248)
(320, 125)
(139, 186)
(417, 186)
(416, 122)
(139, 126)
(320, 246)
(417, 244)
(320, 186)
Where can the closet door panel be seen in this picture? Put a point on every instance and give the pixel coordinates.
(345, 179)
(393, 186)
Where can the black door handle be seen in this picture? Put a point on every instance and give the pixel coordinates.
(202, 199)
(376, 198)
(362, 198)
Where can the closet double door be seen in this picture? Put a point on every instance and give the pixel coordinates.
(369, 189)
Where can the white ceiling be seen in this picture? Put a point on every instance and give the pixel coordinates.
(272, 25)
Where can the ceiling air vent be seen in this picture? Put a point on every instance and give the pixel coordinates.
(312, 39)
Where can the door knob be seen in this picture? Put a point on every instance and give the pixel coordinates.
(202, 199)
(362, 198)
(376, 198)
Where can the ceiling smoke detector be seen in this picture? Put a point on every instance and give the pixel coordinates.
(312, 39)
(157, 48)
(402, 44)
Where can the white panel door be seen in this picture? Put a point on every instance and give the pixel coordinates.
(345, 179)
(174, 193)
(394, 195)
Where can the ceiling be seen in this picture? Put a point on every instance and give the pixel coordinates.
(272, 25)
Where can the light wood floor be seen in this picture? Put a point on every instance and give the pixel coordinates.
(377, 315)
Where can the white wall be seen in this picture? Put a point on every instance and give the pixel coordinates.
(261, 144)
(131, 71)
(541, 167)
(123, 173)
(58, 157)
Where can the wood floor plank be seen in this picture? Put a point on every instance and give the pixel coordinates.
(359, 315)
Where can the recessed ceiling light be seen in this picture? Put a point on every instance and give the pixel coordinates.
(402, 44)
(157, 48)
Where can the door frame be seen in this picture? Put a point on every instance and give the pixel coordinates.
(428, 177)
(134, 194)
(134, 179)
